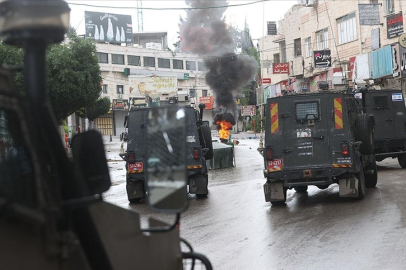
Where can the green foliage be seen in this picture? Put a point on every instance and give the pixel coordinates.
(12, 56)
(257, 118)
(98, 108)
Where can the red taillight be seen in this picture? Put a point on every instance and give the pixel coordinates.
(195, 153)
(269, 154)
(345, 149)
(131, 158)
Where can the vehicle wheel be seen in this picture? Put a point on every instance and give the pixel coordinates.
(361, 184)
(364, 133)
(276, 203)
(371, 179)
(301, 189)
(402, 160)
(201, 196)
(206, 141)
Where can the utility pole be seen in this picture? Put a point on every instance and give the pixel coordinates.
(261, 112)
(140, 16)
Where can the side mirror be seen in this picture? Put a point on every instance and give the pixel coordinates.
(166, 171)
(89, 163)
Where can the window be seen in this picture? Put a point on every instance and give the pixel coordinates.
(307, 111)
(380, 102)
(120, 89)
(204, 93)
(190, 65)
(105, 88)
(347, 28)
(134, 60)
(103, 57)
(177, 64)
(201, 66)
(149, 61)
(298, 47)
(282, 47)
(276, 58)
(164, 63)
(390, 6)
(117, 59)
(308, 47)
(322, 39)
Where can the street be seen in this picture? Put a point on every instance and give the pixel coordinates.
(236, 229)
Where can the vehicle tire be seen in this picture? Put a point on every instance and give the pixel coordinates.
(301, 189)
(206, 141)
(364, 133)
(278, 203)
(371, 179)
(402, 160)
(361, 184)
(201, 196)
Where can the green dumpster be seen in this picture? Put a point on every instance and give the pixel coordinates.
(223, 156)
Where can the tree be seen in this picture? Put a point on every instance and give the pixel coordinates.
(73, 74)
(98, 108)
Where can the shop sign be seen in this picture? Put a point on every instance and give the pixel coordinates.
(208, 101)
(119, 105)
(322, 59)
(394, 25)
(280, 68)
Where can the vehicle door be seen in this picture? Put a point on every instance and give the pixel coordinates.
(379, 105)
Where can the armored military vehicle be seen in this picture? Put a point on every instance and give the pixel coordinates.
(317, 139)
(199, 149)
(52, 214)
(388, 109)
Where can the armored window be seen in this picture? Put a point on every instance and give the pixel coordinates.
(103, 57)
(117, 59)
(177, 64)
(307, 111)
(149, 61)
(164, 63)
(380, 102)
(190, 65)
(134, 60)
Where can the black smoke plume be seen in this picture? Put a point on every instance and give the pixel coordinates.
(224, 116)
(204, 32)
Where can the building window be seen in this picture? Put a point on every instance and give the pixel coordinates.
(177, 64)
(117, 59)
(276, 58)
(390, 6)
(282, 47)
(103, 57)
(298, 47)
(134, 60)
(105, 88)
(190, 65)
(347, 28)
(201, 66)
(120, 89)
(164, 63)
(322, 39)
(149, 61)
(204, 93)
(308, 46)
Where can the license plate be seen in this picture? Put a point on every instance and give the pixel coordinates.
(137, 166)
(275, 165)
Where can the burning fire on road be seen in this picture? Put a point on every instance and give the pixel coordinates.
(224, 122)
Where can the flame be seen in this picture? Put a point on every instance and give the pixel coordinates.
(224, 132)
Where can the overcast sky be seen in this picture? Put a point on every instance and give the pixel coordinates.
(257, 14)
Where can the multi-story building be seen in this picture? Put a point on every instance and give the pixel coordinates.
(147, 58)
(347, 43)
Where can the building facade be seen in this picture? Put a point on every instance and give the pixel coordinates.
(346, 43)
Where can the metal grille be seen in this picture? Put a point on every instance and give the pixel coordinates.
(134, 60)
(177, 64)
(149, 61)
(307, 111)
(103, 57)
(117, 59)
(380, 101)
(164, 63)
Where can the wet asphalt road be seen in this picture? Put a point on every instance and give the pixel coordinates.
(237, 229)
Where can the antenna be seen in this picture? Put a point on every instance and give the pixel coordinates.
(140, 16)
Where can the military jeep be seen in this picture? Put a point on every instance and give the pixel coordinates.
(317, 139)
(199, 149)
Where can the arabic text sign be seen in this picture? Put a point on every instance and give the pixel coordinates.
(369, 14)
(280, 68)
(322, 59)
(248, 110)
(394, 24)
(119, 105)
(208, 101)
(153, 86)
(272, 28)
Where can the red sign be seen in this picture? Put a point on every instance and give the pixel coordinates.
(266, 80)
(208, 101)
(280, 68)
(137, 166)
(275, 165)
(248, 110)
(352, 64)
